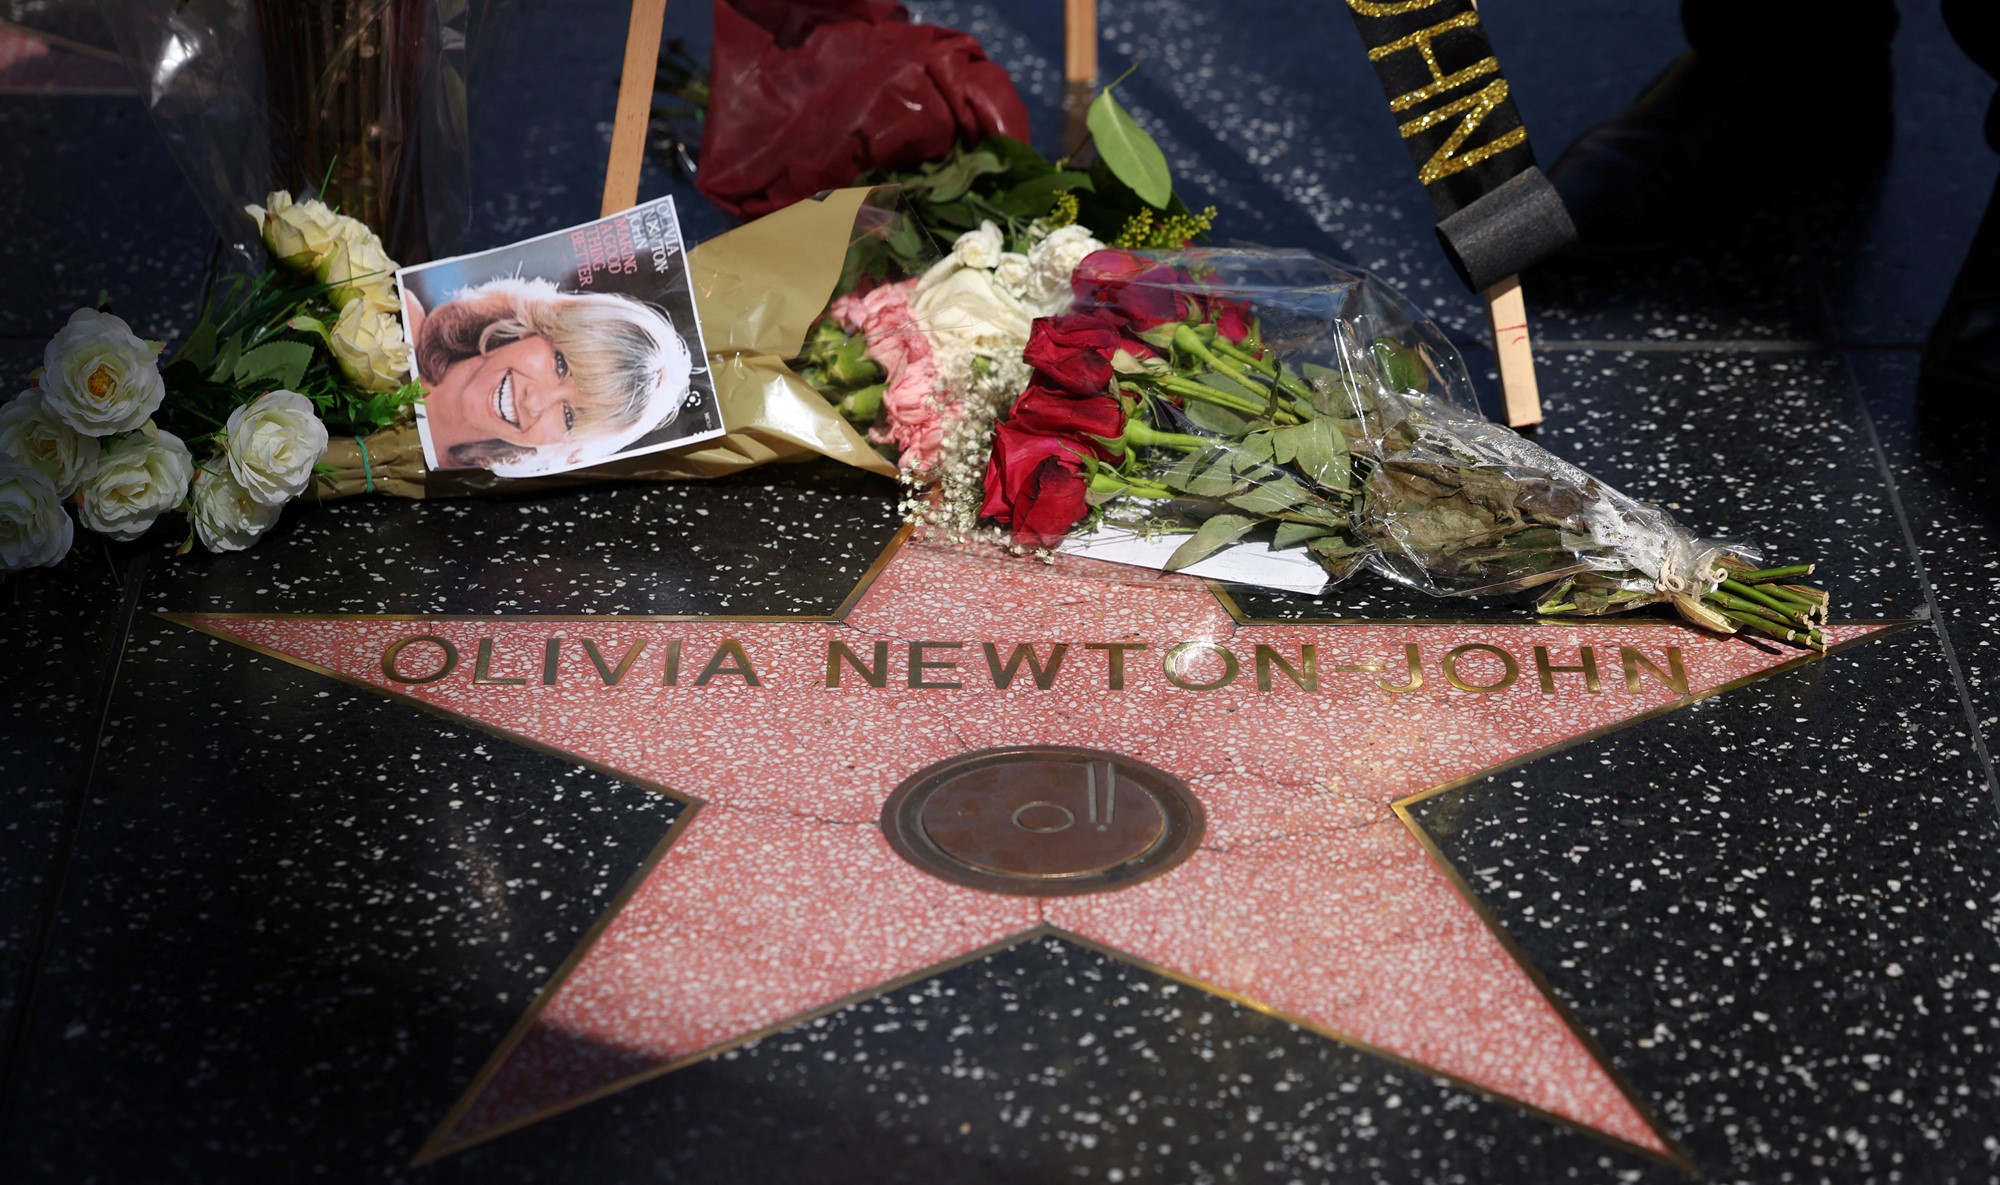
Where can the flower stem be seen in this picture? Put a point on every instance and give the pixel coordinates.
(1749, 593)
(1188, 388)
(1138, 432)
(1771, 575)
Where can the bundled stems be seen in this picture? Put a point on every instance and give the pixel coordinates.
(1308, 437)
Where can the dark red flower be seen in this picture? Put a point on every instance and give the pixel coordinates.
(1051, 411)
(1035, 485)
(1074, 352)
(1138, 290)
(1232, 319)
(806, 95)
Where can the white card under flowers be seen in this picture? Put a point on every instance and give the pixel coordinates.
(1292, 570)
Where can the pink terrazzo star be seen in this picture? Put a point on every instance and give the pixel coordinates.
(1312, 894)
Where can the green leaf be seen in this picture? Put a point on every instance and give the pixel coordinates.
(1320, 452)
(955, 175)
(1258, 448)
(280, 364)
(954, 214)
(1033, 198)
(312, 325)
(1132, 156)
(225, 358)
(1293, 534)
(1269, 497)
(1020, 158)
(199, 348)
(1213, 535)
(1216, 480)
(1339, 557)
(1210, 418)
(1400, 366)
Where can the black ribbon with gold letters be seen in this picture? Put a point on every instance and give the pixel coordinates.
(1497, 213)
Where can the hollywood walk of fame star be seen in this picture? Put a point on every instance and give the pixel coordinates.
(777, 896)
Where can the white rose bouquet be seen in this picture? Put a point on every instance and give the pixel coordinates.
(233, 425)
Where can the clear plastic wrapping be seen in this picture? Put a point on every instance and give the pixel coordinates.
(359, 102)
(1275, 395)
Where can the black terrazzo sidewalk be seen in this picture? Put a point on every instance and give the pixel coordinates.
(260, 928)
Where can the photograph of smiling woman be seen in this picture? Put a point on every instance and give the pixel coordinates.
(562, 352)
(532, 380)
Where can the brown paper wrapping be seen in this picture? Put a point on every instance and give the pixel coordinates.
(757, 289)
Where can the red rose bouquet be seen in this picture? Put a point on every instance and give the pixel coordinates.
(806, 95)
(1220, 395)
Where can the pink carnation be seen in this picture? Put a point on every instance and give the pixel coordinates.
(917, 414)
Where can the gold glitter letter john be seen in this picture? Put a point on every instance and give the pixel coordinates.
(1447, 160)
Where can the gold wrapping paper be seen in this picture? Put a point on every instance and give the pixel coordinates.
(757, 289)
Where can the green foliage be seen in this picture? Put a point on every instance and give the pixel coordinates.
(1127, 151)
(266, 333)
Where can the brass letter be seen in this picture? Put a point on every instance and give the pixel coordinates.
(482, 669)
(1307, 681)
(670, 674)
(918, 664)
(875, 676)
(450, 659)
(739, 665)
(1548, 672)
(1114, 658)
(551, 655)
(1045, 677)
(1507, 662)
(1633, 660)
(1172, 666)
(1413, 657)
(604, 669)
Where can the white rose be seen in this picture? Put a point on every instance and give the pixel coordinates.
(98, 377)
(368, 343)
(139, 478)
(1054, 259)
(31, 435)
(357, 265)
(34, 531)
(273, 442)
(226, 517)
(297, 234)
(979, 248)
(1014, 273)
(970, 311)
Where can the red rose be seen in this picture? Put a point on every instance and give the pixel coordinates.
(1051, 411)
(1232, 319)
(1034, 485)
(1137, 289)
(807, 95)
(1074, 352)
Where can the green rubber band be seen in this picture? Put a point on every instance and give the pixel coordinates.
(367, 469)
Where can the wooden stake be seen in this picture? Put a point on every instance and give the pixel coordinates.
(1079, 66)
(1507, 315)
(1080, 41)
(635, 104)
